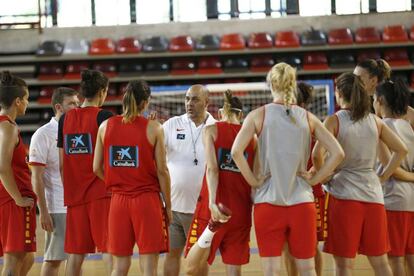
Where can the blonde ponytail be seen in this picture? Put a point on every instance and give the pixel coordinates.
(282, 80)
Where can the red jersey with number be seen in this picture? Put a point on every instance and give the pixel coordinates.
(232, 190)
(20, 169)
(80, 184)
(129, 157)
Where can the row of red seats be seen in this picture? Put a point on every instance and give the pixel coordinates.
(44, 95)
(215, 65)
(235, 41)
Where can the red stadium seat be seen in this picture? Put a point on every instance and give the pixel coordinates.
(315, 61)
(395, 33)
(108, 68)
(260, 40)
(287, 39)
(73, 70)
(397, 57)
(412, 33)
(128, 45)
(112, 93)
(209, 65)
(367, 35)
(412, 80)
(50, 72)
(340, 36)
(261, 63)
(232, 42)
(182, 67)
(368, 54)
(182, 43)
(102, 46)
(45, 95)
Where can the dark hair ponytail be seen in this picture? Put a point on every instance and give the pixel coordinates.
(92, 82)
(232, 105)
(377, 68)
(304, 93)
(396, 95)
(11, 87)
(351, 88)
(135, 93)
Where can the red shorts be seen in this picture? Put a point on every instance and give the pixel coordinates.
(356, 227)
(17, 228)
(401, 233)
(87, 227)
(275, 224)
(232, 241)
(137, 219)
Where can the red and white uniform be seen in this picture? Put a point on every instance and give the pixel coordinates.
(136, 212)
(232, 239)
(357, 221)
(285, 198)
(399, 196)
(17, 224)
(85, 194)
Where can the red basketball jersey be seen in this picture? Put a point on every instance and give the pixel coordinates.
(20, 169)
(129, 157)
(80, 184)
(233, 190)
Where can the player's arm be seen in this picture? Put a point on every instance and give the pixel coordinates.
(212, 170)
(319, 152)
(156, 133)
(384, 156)
(39, 188)
(38, 153)
(394, 143)
(8, 141)
(327, 141)
(251, 126)
(98, 165)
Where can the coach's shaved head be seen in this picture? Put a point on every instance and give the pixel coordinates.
(196, 102)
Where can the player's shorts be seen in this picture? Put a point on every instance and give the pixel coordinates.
(137, 219)
(401, 233)
(275, 224)
(356, 227)
(87, 227)
(231, 240)
(17, 228)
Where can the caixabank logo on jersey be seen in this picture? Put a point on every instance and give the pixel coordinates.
(78, 143)
(226, 163)
(123, 156)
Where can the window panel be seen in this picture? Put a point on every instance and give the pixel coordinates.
(20, 7)
(275, 5)
(189, 10)
(352, 6)
(223, 6)
(152, 12)
(251, 5)
(74, 13)
(314, 7)
(114, 12)
(394, 5)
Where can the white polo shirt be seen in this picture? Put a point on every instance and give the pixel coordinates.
(186, 177)
(44, 152)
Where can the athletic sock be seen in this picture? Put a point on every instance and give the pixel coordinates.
(205, 239)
